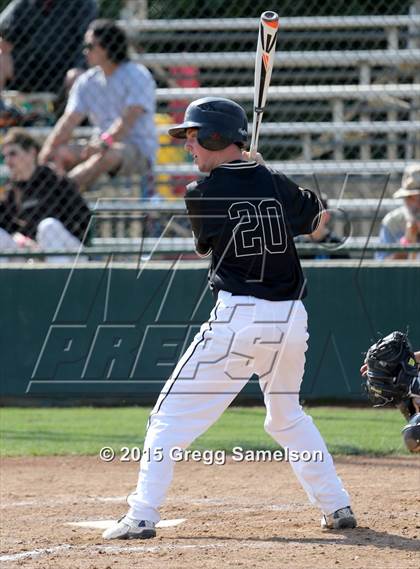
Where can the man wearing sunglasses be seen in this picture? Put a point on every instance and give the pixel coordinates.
(118, 97)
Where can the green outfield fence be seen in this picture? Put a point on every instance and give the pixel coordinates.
(112, 333)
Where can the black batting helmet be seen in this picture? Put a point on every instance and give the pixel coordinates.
(220, 122)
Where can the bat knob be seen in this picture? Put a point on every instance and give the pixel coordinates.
(269, 16)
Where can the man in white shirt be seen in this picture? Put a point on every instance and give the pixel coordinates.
(118, 97)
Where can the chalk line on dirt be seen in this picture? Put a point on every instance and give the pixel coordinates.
(36, 552)
(105, 524)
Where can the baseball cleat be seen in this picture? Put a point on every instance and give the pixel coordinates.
(340, 519)
(130, 529)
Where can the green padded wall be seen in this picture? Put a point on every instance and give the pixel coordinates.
(103, 334)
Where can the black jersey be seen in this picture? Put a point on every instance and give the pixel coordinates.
(246, 215)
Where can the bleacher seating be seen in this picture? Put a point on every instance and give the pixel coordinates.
(336, 128)
(351, 69)
(121, 222)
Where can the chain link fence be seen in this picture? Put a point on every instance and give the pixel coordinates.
(343, 110)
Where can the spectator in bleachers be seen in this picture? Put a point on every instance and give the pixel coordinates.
(40, 41)
(40, 210)
(118, 97)
(402, 225)
(323, 235)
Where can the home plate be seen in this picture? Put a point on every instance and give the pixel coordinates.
(105, 524)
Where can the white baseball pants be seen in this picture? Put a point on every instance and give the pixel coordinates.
(244, 335)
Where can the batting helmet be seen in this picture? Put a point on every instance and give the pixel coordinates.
(220, 122)
(411, 433)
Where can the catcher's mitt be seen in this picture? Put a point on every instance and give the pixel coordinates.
(391, 370)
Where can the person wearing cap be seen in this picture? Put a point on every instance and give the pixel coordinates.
(402, 225)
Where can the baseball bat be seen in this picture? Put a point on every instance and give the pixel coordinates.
(264, 59)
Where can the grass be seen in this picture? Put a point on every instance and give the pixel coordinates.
(85, 430)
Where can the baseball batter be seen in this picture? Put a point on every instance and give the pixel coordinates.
(245, 216)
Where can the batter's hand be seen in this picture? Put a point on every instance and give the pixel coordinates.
(246, 155)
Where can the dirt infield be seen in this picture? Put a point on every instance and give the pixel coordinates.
(237, 515)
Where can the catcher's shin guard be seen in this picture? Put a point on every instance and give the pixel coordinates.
(407, 408)
(411, 433)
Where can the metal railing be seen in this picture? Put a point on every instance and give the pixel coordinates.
(305, 23)
(150, 249)
(296, 92)
(288, 59)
